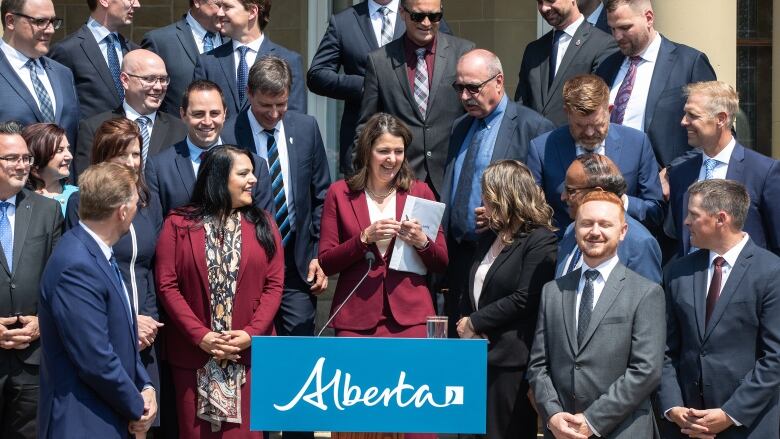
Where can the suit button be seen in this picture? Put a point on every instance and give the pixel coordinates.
(703, 353)
(428, 154)
(13, 286)
(577, 366)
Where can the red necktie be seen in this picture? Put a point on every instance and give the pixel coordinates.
(714, 291)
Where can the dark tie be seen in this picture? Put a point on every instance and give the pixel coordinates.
(554, 55)
(463, 220)
(277, 187)
(574, 259)
(586, 304)
(714, 291)
(242, 75)
(6, 235)
(112, 43)
(143, 124)
(121, 281)
(624, 92)
(44, 100)
(208, 41)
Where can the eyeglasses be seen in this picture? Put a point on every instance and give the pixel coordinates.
(15, 159)
(571, 191)
(419, 17)
(149, 81)
(473, 89)
(41, 23)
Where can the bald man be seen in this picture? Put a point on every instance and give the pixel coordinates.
(145, 82)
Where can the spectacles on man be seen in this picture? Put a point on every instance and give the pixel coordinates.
(473, 89)
(150, 80)
(419, 17)
(571, 190)
(41, 23)
(14, 159)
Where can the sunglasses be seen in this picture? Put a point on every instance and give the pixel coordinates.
(473, 89)
(419, 17)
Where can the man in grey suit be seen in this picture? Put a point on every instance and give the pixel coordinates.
(572, 48)
(411, 78)
(598, 349)
(722, 367)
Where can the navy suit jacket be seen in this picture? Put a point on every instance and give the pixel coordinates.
(19, 104)
(218, 66)
(601, 22)
(91, 374)
(552, 153)
(760, 175)
(677, 65)
(638, 251)
(81, 54)
(171, 179)
(733, 361)
(519, 125)
(309, 176)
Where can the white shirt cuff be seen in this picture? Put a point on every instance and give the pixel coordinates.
(595, 433)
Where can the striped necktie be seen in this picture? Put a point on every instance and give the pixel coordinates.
(44, 100)
(143, 124)
(277, 187)
(387, 28)
(421, 82)
(709, 168)
(208, 41)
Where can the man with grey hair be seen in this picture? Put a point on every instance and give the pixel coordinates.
(722, 365)
(709, 117)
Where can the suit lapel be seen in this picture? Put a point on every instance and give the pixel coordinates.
(360, 208)
(184, 166)
(198, 244)
(247, 237)
(691, 175)
(244, 135)
(730, 287)
(225, 59)
(568, 287)
(613, 146)
(395, 51)
(187, 40)
(736, 169)
(483, 246)
(57, 88)
(577, 41)
(505, 131)
(16, 84)
(22, 219)
(95, 56)
(364, 22)
(700, 290)
(502, 257)
(440, 66)
(611, 290)
(663, 68)
(566, 152)
(159, 130)
(544, 65)
(292, 157)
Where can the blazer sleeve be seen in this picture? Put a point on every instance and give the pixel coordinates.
(702, 69)
(535, 161)
(297, 100)
(369, 105)
(271, 294)
(83, 153)
(646, 206)
(324, 77)
(669, 393)
(539, 378)
(337, 252)
(523, 92)
(320, 183)
(200, 71)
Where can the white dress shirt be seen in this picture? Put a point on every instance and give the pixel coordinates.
(251, 54)
(484, 266)
(199, 32)
(731, 259)
(18, 60)
(593, 18)
(374, 215)
(722, 165)
(604, 269)
(599, 149)
(131, 114)
(100, 33)
(377, 17)
(635, 110)
(563, 42)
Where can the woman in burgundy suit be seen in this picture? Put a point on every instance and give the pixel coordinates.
(220, 271)
(363, 214)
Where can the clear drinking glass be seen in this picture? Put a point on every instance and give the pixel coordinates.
(436, 326)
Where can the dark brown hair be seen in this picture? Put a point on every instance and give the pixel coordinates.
(263, 11)
(111, 139)
(375, 127)
(200, 85)
(42, 140)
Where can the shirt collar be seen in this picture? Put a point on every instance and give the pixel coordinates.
(131, 114)
(724, 156)
(107, 252)
(604, 269)
(572, 28)
(197, 29)
(650, 53)
(733, 253)
(15, 57)
(11, 200)
(497, 112)
(601, 146)
(196, 150)
(253, 46)
(98, 30)
(593, 18)
(255, 125)
(373, 7)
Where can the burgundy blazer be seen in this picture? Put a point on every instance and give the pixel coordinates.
(344, 217)
(183, 289)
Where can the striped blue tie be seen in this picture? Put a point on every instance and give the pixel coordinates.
(208, 41)
(242, 75)
(44, 100)
(6, 235)
(277, 187)
(112, 42)
(143, 124)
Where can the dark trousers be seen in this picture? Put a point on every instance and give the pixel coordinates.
(461, 255)
(509, 412)
(19, 387)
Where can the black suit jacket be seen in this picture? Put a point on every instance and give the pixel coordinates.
(587, 49)
(677, 65)
(509, 301)
(166, 131)
(80, 52)
(309, 176)
(37, 228)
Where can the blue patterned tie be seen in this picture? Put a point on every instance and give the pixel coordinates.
(242, 75)
(709, 168)
(586, 304)
(208, 41)
(112, 43)
(277, 187)
(463, 221)
(6, 235)
(143, 125)
(121, 281)
(44, 100)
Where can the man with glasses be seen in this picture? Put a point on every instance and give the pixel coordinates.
(144, 80)
(34, 88)
(494, 128)
(180, 43)
(586, 103)
(418, 91)
(30, 226)
(94, 54)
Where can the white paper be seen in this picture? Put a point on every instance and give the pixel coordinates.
(428, 213)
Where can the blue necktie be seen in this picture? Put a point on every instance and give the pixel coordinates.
(143, 124)
(709, 168)
(121, 281)
(208, 41)
(112, 42)
(554, 55)
(6, 235)
(277, 187)
(463, 220)
(44, 100)
(242, 75)
(586, 304)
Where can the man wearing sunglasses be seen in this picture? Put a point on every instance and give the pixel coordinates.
(411, 79)
(145, 81)
(34, 88)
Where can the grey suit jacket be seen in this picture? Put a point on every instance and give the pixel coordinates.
(386, 89)
(611, 376)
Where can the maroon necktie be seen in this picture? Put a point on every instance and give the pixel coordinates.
(624, 92)
(714, 292)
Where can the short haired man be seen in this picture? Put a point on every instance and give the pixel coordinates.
(144, 80)
(34, 88)
(647, 67)
(92, 382)
(244, 21)
(573, 47)
(639, 251)
(598, 349)
(722, 366)
(595, 13)
(708, 120)
(180, 43)
(586, 102)
(94, 54)
(406, 78)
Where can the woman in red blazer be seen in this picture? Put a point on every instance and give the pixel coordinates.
(363, 214)
(220, 271)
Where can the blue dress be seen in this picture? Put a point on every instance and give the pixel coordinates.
(67, 191)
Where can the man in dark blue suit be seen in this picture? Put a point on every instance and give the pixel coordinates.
(171, 174)
(595, 13)
(647, 77)
(709, 117)
(722, 366)
(94, 54)
(587, 108)
(92, 381)
(228, 65)
(638, 251)
(34, 88)
(179, 45)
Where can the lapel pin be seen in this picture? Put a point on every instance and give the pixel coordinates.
(291, 141)
(578, 42)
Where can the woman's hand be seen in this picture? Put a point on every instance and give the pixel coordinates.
(238, 339)
(411, 233)
(147, 330)
(379, 230)
(218, 345)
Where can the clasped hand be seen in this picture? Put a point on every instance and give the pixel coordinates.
(409, 231)
(703, 424)
(19, 338)
(568, 426)
(225, 345)
(147, 331)
(142, 425)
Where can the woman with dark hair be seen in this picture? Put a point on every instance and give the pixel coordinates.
(513, 261)
(119, 141)
(363, 214)
(220, 272)
(51, 162)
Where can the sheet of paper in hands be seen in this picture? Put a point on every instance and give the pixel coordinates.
(428, 213)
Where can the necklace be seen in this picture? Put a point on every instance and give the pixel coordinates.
(382, 196)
